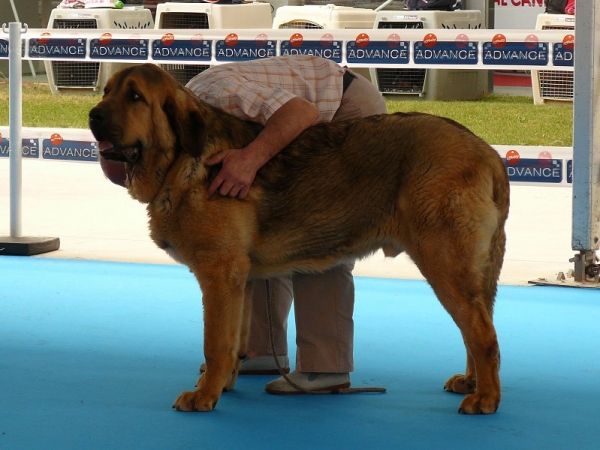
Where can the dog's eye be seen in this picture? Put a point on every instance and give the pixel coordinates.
(135, 96)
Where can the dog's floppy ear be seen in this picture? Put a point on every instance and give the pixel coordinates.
(186, 120)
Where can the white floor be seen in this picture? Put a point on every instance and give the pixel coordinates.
(97, 220)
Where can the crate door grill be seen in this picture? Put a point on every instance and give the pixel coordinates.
(68, 74)
(401, 81)
(556, 84)
(303, 24)
(184, 21)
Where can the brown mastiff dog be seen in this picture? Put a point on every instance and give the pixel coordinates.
(416, 183)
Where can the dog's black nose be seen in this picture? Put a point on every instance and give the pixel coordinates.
(96, 116)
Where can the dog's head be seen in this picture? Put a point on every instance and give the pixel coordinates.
(145, 120)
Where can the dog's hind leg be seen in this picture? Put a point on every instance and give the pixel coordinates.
(463, 273)
(463, 384)
(468, 307)
(223, 301)
(466, 384)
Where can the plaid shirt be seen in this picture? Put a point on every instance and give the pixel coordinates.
(254, 90)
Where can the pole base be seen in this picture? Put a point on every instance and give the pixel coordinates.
(27, 246)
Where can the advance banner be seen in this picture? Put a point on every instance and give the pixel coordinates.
(539, 166)
(67, 144)
(412, 48)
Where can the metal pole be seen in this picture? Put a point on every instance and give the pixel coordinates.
(16, 14)
(15, 244)
(15, 119)
(586, 140)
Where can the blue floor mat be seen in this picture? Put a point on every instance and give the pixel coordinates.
(92, 355)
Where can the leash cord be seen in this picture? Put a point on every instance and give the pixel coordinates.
(376, 390)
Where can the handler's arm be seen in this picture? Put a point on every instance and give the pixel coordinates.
(240, 165)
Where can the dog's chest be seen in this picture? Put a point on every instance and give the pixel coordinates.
(161, 240)
(161, 228)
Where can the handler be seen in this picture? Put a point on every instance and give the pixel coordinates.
(287, 95)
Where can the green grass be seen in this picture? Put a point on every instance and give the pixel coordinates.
(504, 119)
(43, 109)
(499, 119)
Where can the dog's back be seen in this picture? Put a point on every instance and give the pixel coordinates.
(354, 187)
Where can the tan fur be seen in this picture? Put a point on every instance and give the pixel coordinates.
(402, 182)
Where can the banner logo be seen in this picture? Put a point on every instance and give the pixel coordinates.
(431, 51)
(44, 38)
(105, 47)
(498, 41)
(105, 38)
(56, 148)
(430, 40)
(3, 48)
(568, 42)
(563, 53)
(167, 39)
(233, 49)
(362, 40)
(261, 40)
(529, 52)
(30, 148)
(513, 157)
(296, 40)
(69, 48)
(56, 139)
(326, 47)
(168, 48)
(532, 170)
(391, 51)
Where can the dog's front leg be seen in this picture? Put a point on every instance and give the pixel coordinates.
(244, 335)
(223, 301)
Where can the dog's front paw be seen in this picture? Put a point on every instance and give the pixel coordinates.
(461, 384)
(195, 401)
(479, 404)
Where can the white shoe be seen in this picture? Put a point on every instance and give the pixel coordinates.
(261, 365)
(310, 381)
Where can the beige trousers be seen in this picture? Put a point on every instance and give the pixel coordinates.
(323, 303)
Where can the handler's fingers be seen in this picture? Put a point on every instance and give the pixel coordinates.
(229, 189)
(216, 159)
(214, 186)
(235, 191)
(243, 192)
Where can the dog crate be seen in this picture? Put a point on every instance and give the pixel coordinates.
(202, 16)
(323, 17)
(430, 84)
(553, 86)
(90, 77)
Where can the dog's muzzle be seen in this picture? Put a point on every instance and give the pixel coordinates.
(109, 150)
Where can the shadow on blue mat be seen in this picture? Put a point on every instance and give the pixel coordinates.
(92, 355)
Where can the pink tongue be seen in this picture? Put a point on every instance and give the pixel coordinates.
(104, 145)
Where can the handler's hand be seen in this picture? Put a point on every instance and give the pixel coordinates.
(236, 175)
